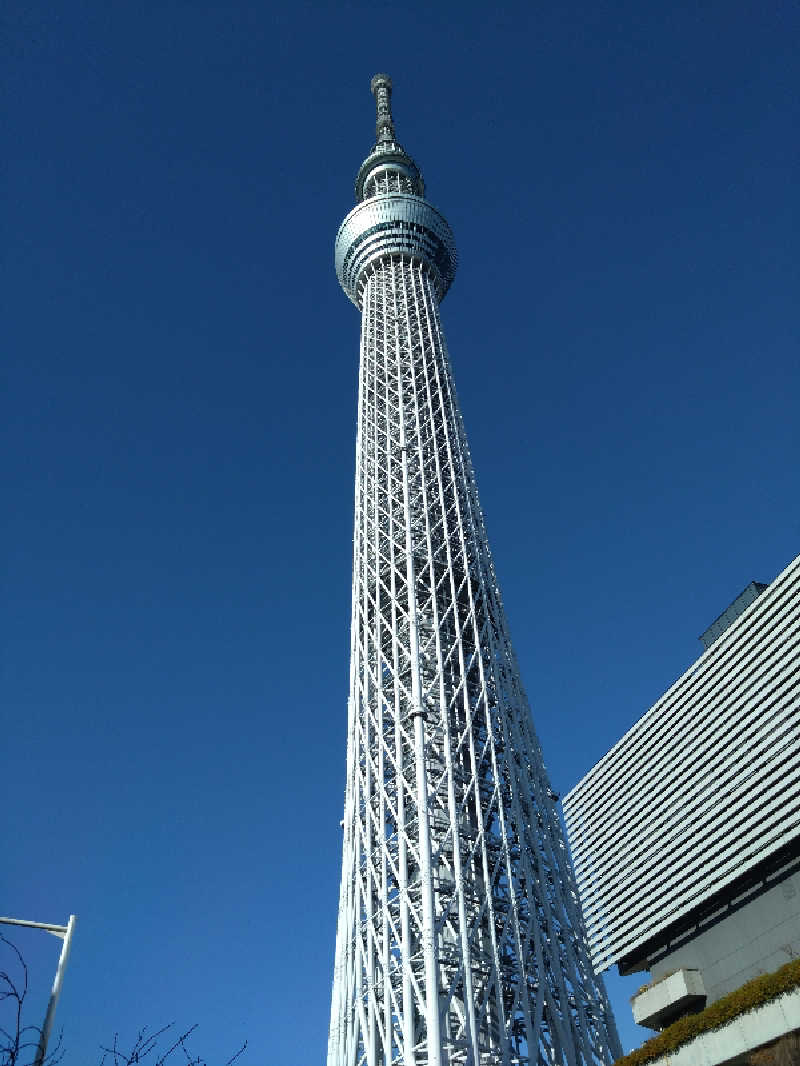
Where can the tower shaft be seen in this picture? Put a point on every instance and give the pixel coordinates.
(459, 939)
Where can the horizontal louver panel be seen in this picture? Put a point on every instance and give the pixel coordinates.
(702, 788)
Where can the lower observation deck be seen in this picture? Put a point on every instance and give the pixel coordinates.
(398, 224)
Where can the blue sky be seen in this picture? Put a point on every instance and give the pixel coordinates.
(180, 404)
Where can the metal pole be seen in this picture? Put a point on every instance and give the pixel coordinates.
(56, 930)
(56, 991)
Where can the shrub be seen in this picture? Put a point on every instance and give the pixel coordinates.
(754, 994)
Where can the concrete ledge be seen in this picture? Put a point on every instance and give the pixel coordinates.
(670, 997)
(728, 1046)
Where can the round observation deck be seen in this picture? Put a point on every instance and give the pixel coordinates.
(394, 224)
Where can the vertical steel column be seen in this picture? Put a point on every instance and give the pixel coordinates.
(433, 1034)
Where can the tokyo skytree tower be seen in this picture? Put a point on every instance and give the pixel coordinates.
(460, 938)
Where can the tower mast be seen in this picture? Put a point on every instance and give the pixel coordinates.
(460, 940)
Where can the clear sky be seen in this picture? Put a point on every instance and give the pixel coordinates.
(179, 428)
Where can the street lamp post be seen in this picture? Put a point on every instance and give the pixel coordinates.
(63, 932)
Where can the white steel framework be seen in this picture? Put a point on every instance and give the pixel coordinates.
(460, 939)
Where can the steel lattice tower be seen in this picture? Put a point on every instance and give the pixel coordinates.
(460, 939)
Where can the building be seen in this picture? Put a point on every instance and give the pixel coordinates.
(686, 835)
(459, 936)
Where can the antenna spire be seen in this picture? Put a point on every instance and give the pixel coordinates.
(381, 88)
(387, 158)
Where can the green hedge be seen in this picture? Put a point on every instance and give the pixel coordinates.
(751, 995)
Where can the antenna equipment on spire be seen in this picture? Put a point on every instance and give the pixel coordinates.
(381, 87)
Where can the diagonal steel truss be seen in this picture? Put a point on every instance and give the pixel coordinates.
(460, 939)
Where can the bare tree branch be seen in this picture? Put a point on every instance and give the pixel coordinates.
(19, 1042)
(146, 1043)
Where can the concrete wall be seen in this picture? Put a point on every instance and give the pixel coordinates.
(731, 1045)
(758, 938)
